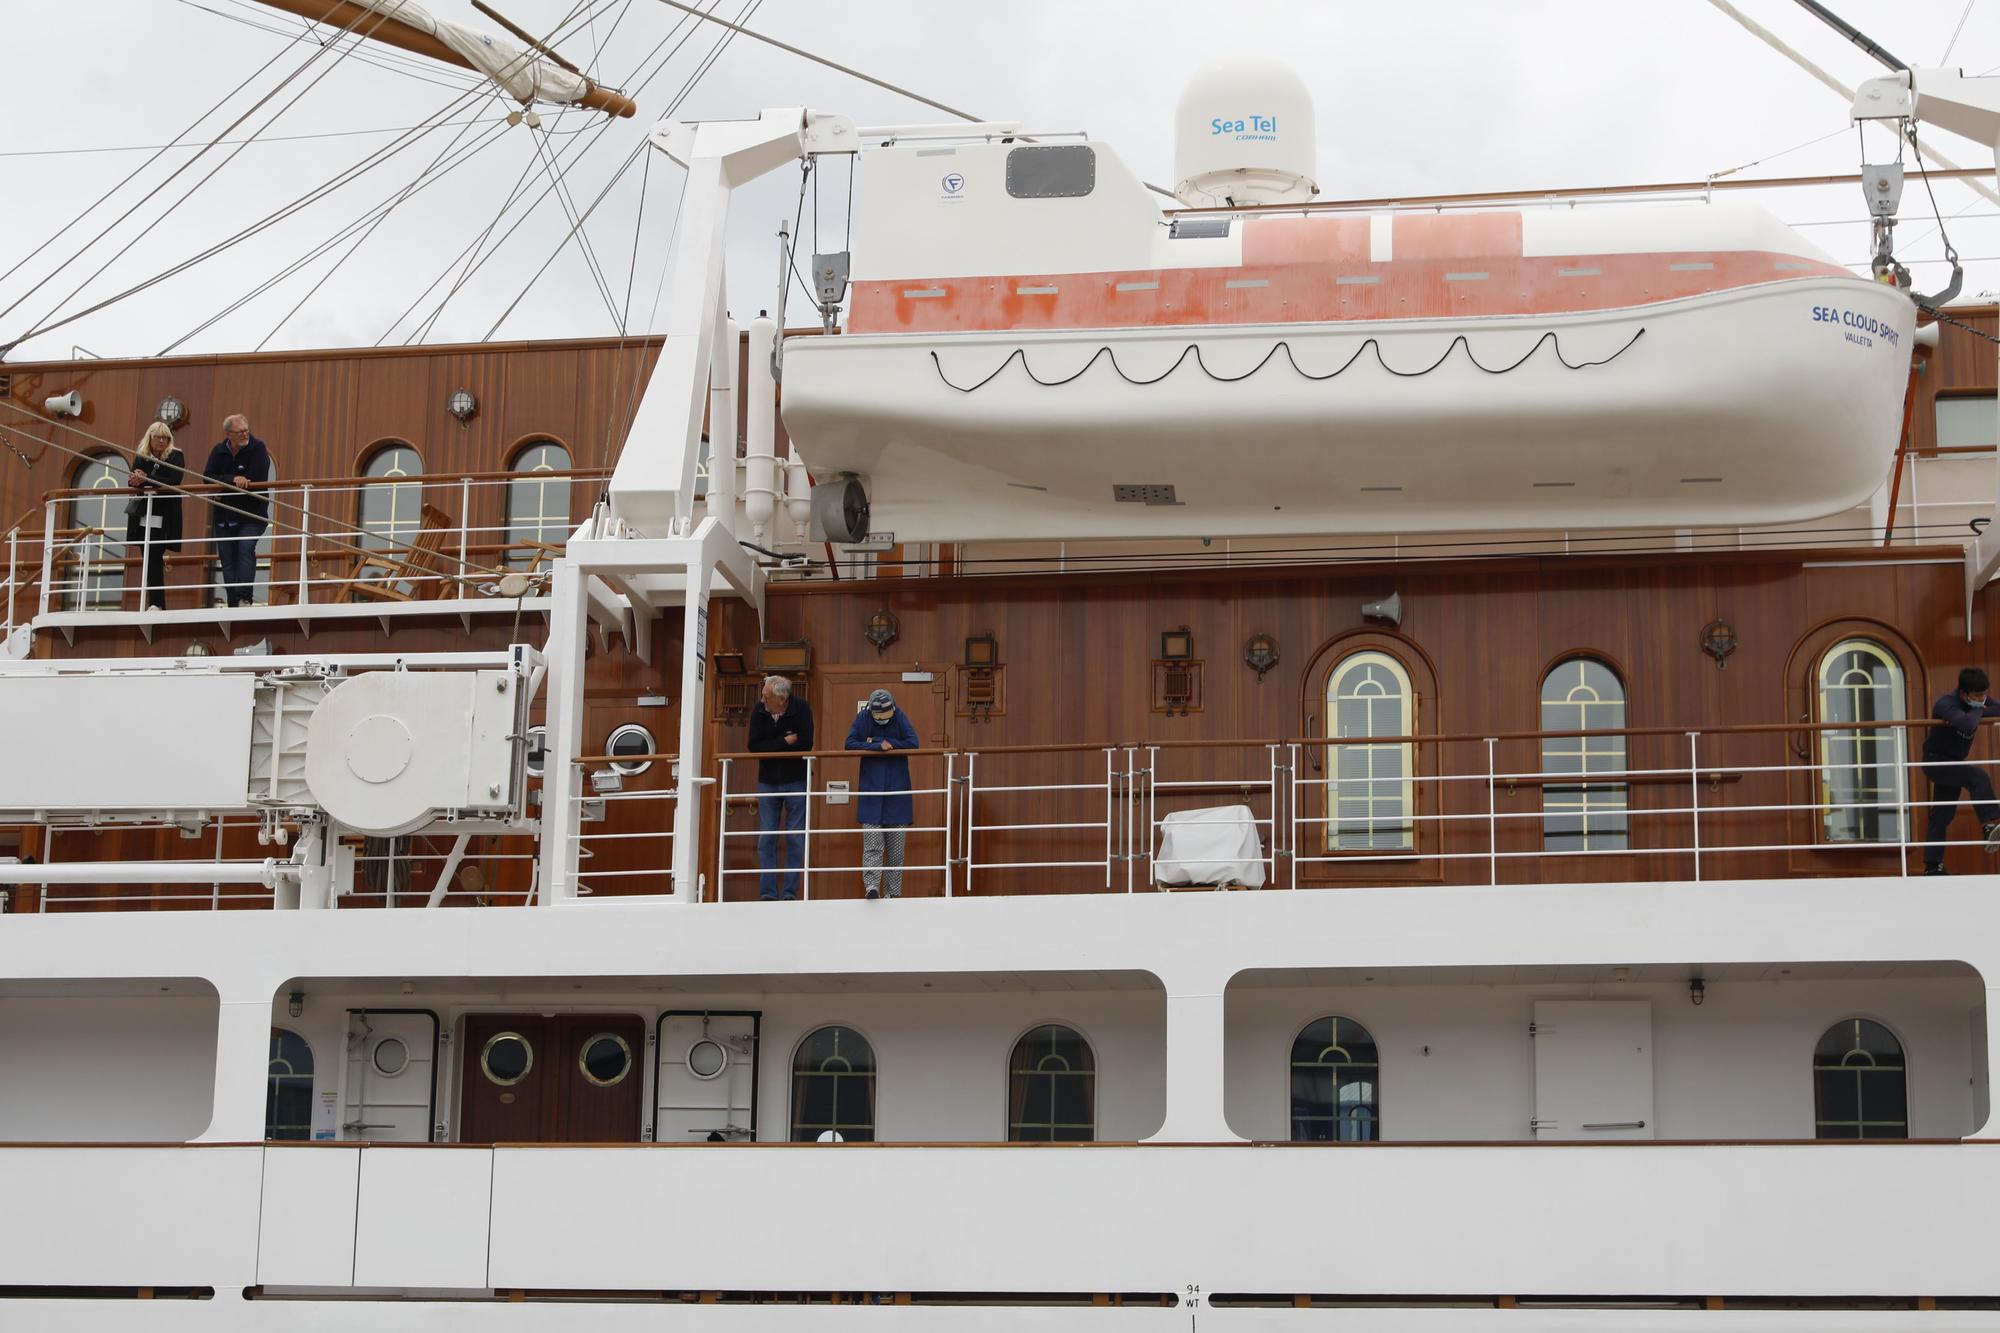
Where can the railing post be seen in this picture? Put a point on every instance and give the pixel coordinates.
(805, 839)
(1131, 815)
(971, 822)
(948, 791)
(1271, 859)
(1110, 781)
(1694, 797)
(13, 542)
(722, 837)
(146, 557)
(464, 528)
(1292, 813)
(1492, 818)
(48, 554)
(1902, 802)
(305, 527)
(1152, 771)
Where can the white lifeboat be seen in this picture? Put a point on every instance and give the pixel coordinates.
(1033, 349)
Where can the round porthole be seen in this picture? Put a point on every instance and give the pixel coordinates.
(391, 1056)
(605, 1059)
(707, 1058)
(507, 1058)
(630, 739)
(538, 750)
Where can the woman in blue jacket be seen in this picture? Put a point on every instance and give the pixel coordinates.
(884, 807)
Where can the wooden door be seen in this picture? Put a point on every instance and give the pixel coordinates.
(571, 1078)
(842, 692)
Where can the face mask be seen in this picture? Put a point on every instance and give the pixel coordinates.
(882, 716)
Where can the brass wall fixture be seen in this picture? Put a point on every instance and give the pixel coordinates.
(1261, 653)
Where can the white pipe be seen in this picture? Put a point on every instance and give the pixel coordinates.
(798, 495)
(760, 433)
(266, 872)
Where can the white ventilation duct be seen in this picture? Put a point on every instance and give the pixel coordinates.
(1244, 134)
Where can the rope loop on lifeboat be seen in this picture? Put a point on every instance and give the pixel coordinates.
(1106, 352)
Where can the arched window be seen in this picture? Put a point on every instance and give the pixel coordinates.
(1336, 1090)
(1370, 797)
(98, 559)
(1860, 1087)
(833, 1088)
(392, 511)
(289, 1092)
(1861, 780)
(537, 501)
(1052, 1088)
(1583, 694)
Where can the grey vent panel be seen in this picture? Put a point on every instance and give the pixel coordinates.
(1052, 171)
(1144, 495)
(1197, 229)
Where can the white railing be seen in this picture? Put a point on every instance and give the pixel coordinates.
(423, 539)
(1683, 804)
(625, 838)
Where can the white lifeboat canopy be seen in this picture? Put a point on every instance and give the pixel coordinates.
(1244, 134)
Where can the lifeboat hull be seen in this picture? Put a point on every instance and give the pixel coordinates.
(1764, 403)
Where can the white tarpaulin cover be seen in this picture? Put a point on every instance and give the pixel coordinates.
(522, 73)
(1214, 846)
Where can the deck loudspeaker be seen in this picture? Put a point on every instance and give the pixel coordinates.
(840, 510)
(65, 404)
(1389, 608)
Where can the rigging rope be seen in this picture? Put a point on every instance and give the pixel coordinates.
(1106, 352)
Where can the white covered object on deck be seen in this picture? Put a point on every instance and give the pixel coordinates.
(1218, 845)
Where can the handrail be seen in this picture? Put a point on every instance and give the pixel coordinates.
(283, 483)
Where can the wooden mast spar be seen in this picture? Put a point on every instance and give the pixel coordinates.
(392, 31)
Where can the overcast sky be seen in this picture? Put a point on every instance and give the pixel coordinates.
(1417, 97)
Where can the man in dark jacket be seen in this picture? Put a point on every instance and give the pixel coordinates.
(780, 724)
(238, 519)
(884, 808)
(1946, 747)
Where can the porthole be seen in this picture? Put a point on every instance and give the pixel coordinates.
(391, 1056)
(538, 750)
(630, 739)
(605, 1060)
(506, 1059)
(707, 1058)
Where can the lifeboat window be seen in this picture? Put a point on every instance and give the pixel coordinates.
(98, 564)
(391, 511)
(1860, 1083)
(1198, 229)
(1584, 695)
(1336, 1083)
(537, 503)
(1052, 171)
(1860, 682)
(1052, 1088)
(1370, 797)
(833, 1088)
(289, 1089)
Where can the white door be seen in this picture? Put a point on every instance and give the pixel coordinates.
(1593, 1069)
(708, 1078)
(391, 1076)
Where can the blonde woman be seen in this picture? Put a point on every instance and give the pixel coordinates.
(153, 516)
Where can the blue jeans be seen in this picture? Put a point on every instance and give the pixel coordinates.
(236, 553)
(781, 808)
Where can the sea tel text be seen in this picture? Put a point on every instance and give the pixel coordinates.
(1244, 125)
(1860, 328)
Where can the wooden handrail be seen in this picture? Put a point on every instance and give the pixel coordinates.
(925, 753)
(284, 483)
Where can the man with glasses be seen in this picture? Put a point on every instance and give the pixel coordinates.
(238, 519)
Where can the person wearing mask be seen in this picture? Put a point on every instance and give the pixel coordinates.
(884, 808)
(238, 519)
(780, 724)
(1946, 748)
(153, 514)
